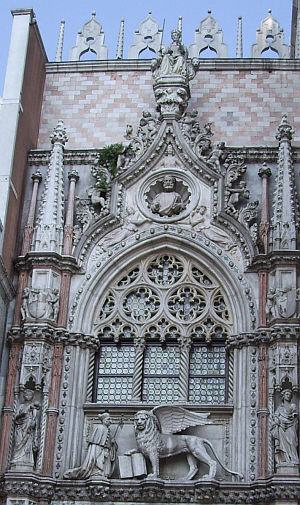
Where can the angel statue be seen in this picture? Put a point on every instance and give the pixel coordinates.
(154, 433)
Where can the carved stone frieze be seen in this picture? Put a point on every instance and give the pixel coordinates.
(147, 491)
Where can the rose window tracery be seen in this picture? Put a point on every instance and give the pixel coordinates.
(162, 321)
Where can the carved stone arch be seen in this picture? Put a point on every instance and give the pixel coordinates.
(233, 282)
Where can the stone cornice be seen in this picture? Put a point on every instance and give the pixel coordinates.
(51, 334)
(155, 491)
(250, 154)
(274, 259)
(218, 64)
(264, 335)
(132, 407)
(52, 259)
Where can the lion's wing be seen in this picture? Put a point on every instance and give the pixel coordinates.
(173, 419)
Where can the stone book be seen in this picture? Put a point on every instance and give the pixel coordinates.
(132, 466)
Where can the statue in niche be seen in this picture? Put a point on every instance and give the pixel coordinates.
(101, 455)
(132, 220)
(26, 432)
(154, 436)
(284, 430)
(199, 220)
(167, 202)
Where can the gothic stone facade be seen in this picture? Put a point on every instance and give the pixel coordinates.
(154, 348)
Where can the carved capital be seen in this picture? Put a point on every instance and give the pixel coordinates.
(264, 171)
(73, 175)
(36, 177)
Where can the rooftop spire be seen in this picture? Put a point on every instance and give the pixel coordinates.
(49, 228)
(120, 46)
(285, 203)
(60, 42)
(239, 38)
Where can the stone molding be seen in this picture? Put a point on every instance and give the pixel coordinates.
(47, 260)
(265, 335)
(250, 154)
(157, 491)
(52, 335)
(274, 259)
(94, 66)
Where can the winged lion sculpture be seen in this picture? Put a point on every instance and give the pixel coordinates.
(154, 432)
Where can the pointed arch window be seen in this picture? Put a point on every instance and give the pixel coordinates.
(162, 328)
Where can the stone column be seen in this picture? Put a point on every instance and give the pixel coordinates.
(29, 228)
(138, 369)
(52, 411)
(8, 409)
(263, 412)
(68, 229)
(185, 347)
(264, 172)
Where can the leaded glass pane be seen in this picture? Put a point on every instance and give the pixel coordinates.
(114, 389)
(160, 389)
(207, 390)
(208, 361)
(116, 360)
(162, 361)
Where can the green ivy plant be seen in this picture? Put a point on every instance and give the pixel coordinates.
(107, 158)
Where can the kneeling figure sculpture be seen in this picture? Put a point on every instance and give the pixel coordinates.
(154, 432)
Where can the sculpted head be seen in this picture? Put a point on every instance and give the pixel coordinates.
(287, 394)
(168, 183)
(141, 419)
(28, 395)
(176, 36)
(105, 419)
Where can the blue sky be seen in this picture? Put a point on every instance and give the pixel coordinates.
(75, 13)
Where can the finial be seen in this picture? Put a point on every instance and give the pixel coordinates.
(209, 12)
(179, 25)
(270, 11)
(59, 134)
(60, 42)
(150, 13)
(285, 130)
(93, 14)
(120, 45)
(239, 38)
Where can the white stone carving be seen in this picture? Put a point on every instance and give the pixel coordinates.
(270, 36)
(166, 201)
(101, 455)
(26, 433)
(209, 35)
(285, 219)
(154, 436)
(90, 38)
(49, 227)
(148, 36)
(284, 430)
(281, 302)
(40, 304)
(200, 221)
(132, 221)
(172, 71)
